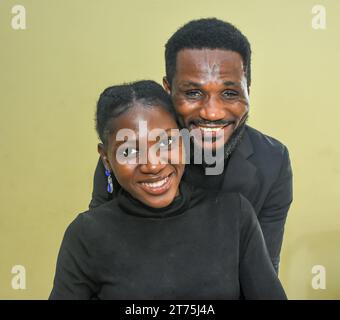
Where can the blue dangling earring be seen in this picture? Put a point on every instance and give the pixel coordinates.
(109, 181)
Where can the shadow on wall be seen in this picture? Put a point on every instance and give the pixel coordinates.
(318, 250)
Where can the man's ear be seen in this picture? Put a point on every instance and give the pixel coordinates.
(103, 154)
(166, 85)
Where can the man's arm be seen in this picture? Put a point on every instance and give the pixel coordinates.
(258, 278)
(273, 214)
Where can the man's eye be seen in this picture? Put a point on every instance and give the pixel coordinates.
(193, 94)
(166, 143)
(129, 152)
(230, 93)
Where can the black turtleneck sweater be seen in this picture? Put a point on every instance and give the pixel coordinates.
(202, 246)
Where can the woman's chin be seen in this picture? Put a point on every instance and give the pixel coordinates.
(161, 201)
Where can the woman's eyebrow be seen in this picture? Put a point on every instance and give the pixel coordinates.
(128, 141)
(134, 142)
(169, 131)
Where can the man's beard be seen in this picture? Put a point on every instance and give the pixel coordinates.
(229, 147)
(234, 140)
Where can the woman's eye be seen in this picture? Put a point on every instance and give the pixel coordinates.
(165, 143)
(129, 152)
(193, 93)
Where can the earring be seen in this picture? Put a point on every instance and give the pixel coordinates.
(109, 181)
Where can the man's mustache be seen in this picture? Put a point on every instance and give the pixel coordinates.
(202, 122)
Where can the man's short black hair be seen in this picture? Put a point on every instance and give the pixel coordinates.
(116, 100)
(208, 33)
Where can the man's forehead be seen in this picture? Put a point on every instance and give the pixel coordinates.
(208, 62)
(208, 56)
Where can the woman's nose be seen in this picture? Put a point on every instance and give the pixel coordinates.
(153, 165)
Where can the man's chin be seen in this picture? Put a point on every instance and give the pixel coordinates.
(211, 146)
(209, 153)
(219, 149)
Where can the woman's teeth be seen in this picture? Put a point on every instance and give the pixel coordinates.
(156, 184)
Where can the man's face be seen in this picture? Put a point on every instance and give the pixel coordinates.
(210, 93)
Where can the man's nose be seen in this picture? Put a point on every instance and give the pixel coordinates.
(213, 110)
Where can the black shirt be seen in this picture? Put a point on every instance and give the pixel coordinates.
(202, 246)
(259, 168)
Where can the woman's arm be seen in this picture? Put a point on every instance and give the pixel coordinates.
(74, 272)
(258, 278)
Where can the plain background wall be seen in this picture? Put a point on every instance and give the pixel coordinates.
(52, 73)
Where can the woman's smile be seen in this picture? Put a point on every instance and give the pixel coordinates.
(157, 185)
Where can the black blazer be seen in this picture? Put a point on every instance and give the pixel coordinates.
(259, 169)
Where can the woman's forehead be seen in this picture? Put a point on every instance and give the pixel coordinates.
(149, 117)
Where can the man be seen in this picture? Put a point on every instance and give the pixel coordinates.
(208, 75)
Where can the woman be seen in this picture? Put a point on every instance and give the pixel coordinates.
(159, 238)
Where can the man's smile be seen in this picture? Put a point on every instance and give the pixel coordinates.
(212, 129)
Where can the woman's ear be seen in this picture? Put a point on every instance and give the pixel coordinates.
(103, 154)
(166, 85)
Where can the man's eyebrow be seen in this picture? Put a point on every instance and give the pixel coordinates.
(232, 83)
(189, 84)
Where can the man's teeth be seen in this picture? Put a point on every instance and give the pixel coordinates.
(206, 129)
(156, 184)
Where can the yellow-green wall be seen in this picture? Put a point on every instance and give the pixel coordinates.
(51, 75)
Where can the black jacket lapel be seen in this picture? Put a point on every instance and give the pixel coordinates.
(241, 174)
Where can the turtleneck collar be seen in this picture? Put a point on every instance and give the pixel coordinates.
(134, 207)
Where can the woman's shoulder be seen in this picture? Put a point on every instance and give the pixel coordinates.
(92, 221)
(100, 212)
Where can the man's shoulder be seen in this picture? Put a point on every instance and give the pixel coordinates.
(264, 142)
(269, 155)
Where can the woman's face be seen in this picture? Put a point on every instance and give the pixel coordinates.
(152, 154)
